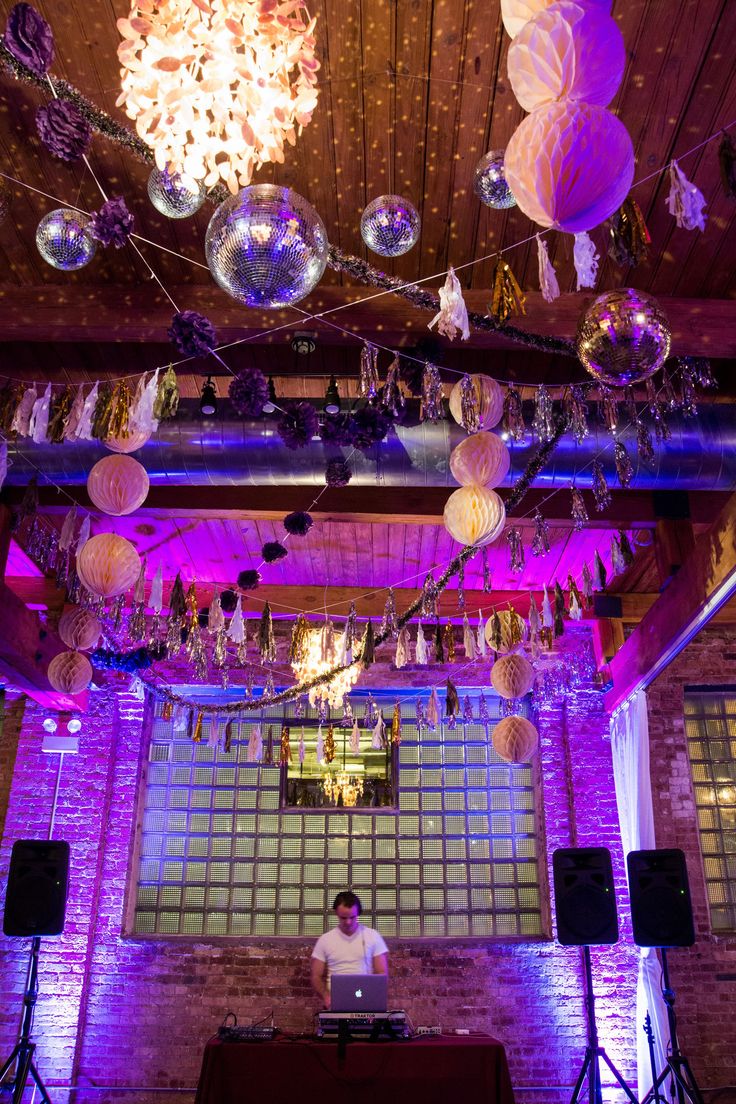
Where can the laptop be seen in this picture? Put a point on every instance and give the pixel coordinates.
(358, 993)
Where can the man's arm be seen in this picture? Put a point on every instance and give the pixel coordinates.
(380, 964)
(319, 980)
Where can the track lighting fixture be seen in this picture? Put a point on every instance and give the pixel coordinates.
(208, 402)
(270, 406)
(332, 397)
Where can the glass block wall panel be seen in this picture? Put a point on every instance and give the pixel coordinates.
(222, 852)
(710, 726)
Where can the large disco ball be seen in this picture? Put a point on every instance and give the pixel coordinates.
(267, 246)
(174, 198)
(390, 225)
(623, 337)
(489, 182)
(64, 241)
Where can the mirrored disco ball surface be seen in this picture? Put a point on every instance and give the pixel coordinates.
(172, 197)
(390, 225)
(267, 246)
(489, 182)
(63, 240)
(623, 337)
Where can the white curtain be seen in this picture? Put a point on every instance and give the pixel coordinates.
(630, 746)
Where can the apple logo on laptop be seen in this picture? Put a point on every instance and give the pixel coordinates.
(359, 993)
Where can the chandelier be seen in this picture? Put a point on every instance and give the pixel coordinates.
(216, 87)
(342, 788)
(321, 650)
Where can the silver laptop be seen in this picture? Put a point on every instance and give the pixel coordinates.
(358, 993)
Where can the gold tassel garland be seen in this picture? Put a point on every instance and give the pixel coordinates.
(102, 412)
(197, 734)
(630, 239)
(167, 397)
(396, 725)
(507, 298)
(285, 752)
(120, 411)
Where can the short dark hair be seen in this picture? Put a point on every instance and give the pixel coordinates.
(348, 899)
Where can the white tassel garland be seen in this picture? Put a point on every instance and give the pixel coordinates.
(685, 203)
(452, 317)
(548, 284)
(586, 259)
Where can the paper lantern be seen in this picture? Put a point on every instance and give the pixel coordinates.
(569, 51)
(490, 401)
(515, 739)
(79, 628)
(513, 630)
(108, 565)
(474, 515)
(512, 676)
(570, 165)
(483, 459)
(516, 13)
(70, 672)
(623, 337)
(118, 485)
(136, 439)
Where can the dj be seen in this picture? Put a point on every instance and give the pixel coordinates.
(350, 948)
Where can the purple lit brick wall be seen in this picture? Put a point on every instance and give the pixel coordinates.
(116, 1011)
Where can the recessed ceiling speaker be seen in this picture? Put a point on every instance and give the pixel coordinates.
(585, 897)
(35, 900)
(661, 909)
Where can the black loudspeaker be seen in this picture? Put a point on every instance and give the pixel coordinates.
(585, 898)
(35, 901)
(661, 910)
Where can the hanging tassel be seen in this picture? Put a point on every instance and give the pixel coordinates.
(461, 587)
(392, 398)
(10, 398)
(236, 629)
(630, 239)
(197, 733)
(469, 640)
(351, 632)
(452, 701)
(59, 413)
(516, 550)
(268, 757)
(320, 748)
(66, 537)
(439, 648)
(421, 650)
(421, 716)
(119, 411)
(378, 740)
(431, 408)
(507, 298)
(547, 615)
(587, 586)
(102, 412)
(433, 709)
(480, 636)
(429, 597)
(559, 610)
(388, 624)
(468, 717)
(141, 417)
(579, 510)
(40, 416)
(644, 445)
(266, 642)
(576, 610)
(617, 560)
(452, 317)
(177, 598)
(608, 407)
(396, 725)
(544, 422)
(576, 597)
(512, 422)
(586, 259)
(627, 552)
(469, 412)
(213, 739)
(299, 638)
(74, 418)
(534, 622)
(401, 658)
(576, 413)
(487, 583)
(540, 540)
(368, 385)
(599, 572)
(685, 203)
(368, 645)
(448, 639)
(727, 163)
(496, 640)
(215, 616)
(167, 396)
(21, 424)
(548, 284)
(483, 715)
(285, 746)
(601, 493)
(355, 739)
(624, 467)
(84, 431)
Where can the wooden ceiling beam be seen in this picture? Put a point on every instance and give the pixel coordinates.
(75, 312)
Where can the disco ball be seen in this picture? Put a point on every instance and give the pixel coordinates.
(63, 240)
(172, 197)
(489, 182)
(267, 246)
(390, 225)
(623, 337)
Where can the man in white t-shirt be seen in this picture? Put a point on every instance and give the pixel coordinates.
(350, 948)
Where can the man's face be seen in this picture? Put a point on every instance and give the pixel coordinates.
(347, 919)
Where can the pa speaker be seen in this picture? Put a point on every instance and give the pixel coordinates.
(35, 901)
(661, 910)
(585, 899)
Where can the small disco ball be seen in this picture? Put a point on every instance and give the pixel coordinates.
(172, 197)
(266, 246)
(63, 240)
(623, 337)
(489, 182)
(390, 225)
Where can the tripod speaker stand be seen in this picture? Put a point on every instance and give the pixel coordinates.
(24, 1049)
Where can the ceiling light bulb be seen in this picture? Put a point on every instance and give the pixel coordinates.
(50, 725)
(208, 402)
(74, 725)
(332, 397)
(270, 406)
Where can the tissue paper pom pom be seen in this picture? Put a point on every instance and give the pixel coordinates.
(336, 430)
(29, 39)
(337, 473)
(248, 580)
(63, 130)
(249, 392)
(192, 333)
(298, 524)
(112, 224)
(298, 424)
(228, 601)
(273, 551)
(369, 426)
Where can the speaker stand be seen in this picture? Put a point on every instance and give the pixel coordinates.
(24, 1049)
(594, 1053)
(677, 1066)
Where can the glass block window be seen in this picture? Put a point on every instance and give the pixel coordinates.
(222, 851)
(710, 726)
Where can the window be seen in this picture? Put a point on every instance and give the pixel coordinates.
(710, 726)
(221, 854)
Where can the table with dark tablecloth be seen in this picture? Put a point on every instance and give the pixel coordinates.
(429, 1070)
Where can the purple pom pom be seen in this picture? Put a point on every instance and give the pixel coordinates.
(298, 424)
(248, 580)
(192, 333)
(113, 223)
(337, 473)
(249, 393)
(336, 430)
(228, 601)
(369, 426)
(63, 130)
(29, 39)
(273, 551)
(298, 524)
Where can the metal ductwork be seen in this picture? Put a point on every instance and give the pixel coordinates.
(701, 455)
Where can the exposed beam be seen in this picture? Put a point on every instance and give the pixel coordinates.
(68, 312)
(704, 584)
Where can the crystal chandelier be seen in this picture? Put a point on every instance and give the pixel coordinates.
(342, 786)
(216, 87)
(320, 652)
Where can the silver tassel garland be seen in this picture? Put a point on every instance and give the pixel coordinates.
(469, 413)
(579, 510)
(601, 493)
(431, 405)
(544, 422)
(540, 540)
(624, 467)
(512, 422)
(516, 550)
(368, 371)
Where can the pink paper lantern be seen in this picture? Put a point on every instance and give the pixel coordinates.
(483, 458)
(118, 485)
(108, 565)
(70, 672)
